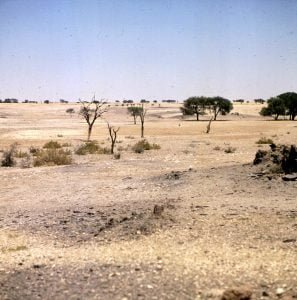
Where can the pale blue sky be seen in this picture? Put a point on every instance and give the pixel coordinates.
(153, 49)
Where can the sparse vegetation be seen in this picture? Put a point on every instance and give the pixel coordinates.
(8, 157)
(117, 155)
(142, 145)
(64, 145)
(34, 150)
(230, 149)
(21, 154)
(51, 157)
(52, 145)
(91, 147)
(264, 140)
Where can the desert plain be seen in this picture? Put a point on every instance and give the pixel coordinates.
(88, 230)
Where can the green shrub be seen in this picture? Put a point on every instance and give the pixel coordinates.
(51, 157)
(264, 140)
(142, 145)
(91, 148)
(52, 145)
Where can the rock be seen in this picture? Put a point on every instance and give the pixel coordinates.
(290, 177)
(265, 294)
(289, 241)
(38, 266)
(237, 294)
(279, 291)
(259, 157)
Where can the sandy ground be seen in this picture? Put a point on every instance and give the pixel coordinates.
(87, 230)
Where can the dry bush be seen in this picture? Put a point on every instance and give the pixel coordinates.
(117, 156)
(21, 154)
(51, 157)
(142, 145)
(217, 148)
(8, 157)
(264, 140)
(121, 148)
(91, 147)
(26, 162)
(34, 150)
(66, 145)
(52, 145)
(230, 149)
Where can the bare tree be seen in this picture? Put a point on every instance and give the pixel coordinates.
(113, 136)
(91, 112)
(208, 125)
(142, 114)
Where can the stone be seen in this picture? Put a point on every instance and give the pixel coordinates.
(279, 291)
(290, 177)
(237, 294)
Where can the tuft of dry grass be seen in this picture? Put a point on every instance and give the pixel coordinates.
(142, 145)
(91, 147)
(52, 145)
(264, 140)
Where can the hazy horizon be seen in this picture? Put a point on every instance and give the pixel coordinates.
(147, 49)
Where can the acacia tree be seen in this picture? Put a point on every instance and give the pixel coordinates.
(90, 112)
(198, 106)
(219, 105)
(135, 111)
(275, 108)
(290, 102)
(113, 136)
(194, 106)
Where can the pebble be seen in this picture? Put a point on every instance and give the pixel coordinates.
(279, 291)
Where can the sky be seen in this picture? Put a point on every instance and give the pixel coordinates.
(147, 49)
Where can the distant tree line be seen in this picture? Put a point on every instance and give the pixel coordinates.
(282, 105)
(9, 100)
(200, 105)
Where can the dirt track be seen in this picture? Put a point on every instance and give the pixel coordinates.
(87, 230)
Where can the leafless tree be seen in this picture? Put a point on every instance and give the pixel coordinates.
(142, 114)
(113, 135)
(91, 112)
(208, 125)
